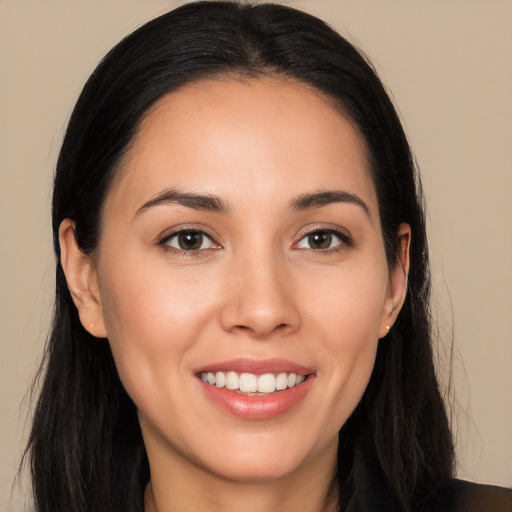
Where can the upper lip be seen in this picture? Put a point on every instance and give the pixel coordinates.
(256, 366)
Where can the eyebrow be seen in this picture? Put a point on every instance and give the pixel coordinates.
(212, 203)
(319, 199)
(204, 202)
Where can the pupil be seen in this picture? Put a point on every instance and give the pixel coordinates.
(190, 241)
(320, 240)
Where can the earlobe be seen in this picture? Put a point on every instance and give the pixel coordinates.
(82, 279)
(398, 281)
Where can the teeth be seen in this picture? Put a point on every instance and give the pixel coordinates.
(250, 383)
(266, 383)
(220, 380)
(232, 381)
(281, 381)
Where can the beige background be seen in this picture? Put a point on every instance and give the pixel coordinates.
(449, 65)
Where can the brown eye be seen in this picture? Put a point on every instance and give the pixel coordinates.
(320, 240)
(189, 240)
(323, 239)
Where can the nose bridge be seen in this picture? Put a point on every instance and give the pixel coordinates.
(259, 299)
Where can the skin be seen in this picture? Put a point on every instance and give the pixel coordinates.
(256, 288)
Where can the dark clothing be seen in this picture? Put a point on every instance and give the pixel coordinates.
(455, 496)
(461, 496)
(452, 496)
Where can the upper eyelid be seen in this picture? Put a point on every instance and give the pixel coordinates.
(346, 240)
(164, 243)
(169, 233)
(308, 230)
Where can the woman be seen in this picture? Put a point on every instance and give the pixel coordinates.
(242, 283)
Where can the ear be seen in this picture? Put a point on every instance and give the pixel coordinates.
(397, 287)
(82, 278)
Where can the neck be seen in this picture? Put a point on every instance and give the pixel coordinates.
(195, 490)
(250, 498)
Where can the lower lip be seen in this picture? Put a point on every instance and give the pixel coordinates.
(257, 407)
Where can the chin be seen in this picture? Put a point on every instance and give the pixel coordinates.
(259, 461)
(254, 471)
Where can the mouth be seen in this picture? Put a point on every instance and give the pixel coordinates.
(255, 390)
(251, 384)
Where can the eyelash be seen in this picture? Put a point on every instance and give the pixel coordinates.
(164, 242)
(344, 241)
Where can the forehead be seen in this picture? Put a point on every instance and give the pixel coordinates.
(271, 137)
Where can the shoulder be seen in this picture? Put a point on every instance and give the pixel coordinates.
(462, 496)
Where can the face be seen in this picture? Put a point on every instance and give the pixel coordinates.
(241, 245)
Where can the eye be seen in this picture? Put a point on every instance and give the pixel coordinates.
(189, 240)
(322, 240)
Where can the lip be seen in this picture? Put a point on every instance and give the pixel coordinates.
(255, 366)
(257, 407)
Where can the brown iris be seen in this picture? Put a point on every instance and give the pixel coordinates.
(190, 240)
(320, 240)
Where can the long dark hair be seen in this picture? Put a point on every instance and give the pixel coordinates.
(85, 447)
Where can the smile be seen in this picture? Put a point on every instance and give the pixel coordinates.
(252, 384)
(256, 390)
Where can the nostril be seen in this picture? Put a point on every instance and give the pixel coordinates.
(259, 315)
(260, 331)
(240, 328)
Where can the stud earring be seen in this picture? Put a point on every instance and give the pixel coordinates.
(388, 328)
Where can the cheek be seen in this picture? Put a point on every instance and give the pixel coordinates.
(347, 311)
(349, 303)
(152, 315)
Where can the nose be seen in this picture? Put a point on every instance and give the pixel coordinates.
(259, 299)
